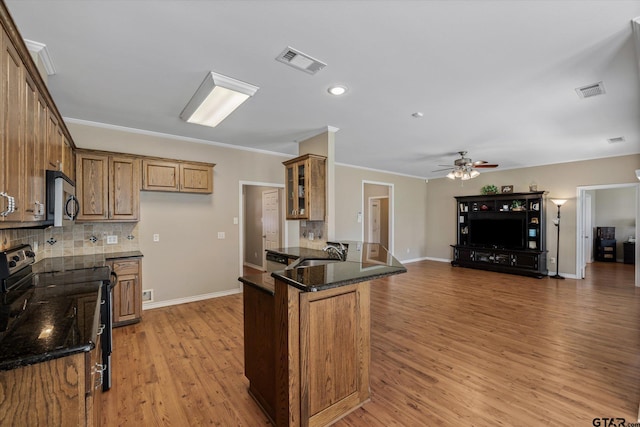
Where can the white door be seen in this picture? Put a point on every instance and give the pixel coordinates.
(374, 221)
(587, 236)
(270, 221)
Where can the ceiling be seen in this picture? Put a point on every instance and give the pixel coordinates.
(494, 78)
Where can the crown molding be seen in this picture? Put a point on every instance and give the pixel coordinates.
(41, 50)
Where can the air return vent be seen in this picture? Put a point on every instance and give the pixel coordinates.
(301, 61)
(591, 90)
(616, 140)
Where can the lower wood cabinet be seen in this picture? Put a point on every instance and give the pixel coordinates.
(127, 292)
(59, 392)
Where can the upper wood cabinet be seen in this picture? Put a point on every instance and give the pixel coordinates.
(305, 187)
(32, 133)
(13, 154)
(186, 177)
(107, 187)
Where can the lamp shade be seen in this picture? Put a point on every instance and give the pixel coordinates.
(559, 202)
(216, 98)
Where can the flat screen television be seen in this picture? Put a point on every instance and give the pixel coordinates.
(497, 232)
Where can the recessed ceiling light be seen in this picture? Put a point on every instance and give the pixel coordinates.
(417, 115)
(337, 90)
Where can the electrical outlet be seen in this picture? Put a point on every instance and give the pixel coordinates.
(552, 260)
(235, 220)
(221, 235)
(156, 237)
(112, 240)
(147, 295)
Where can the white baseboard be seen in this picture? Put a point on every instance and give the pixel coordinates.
(255, 267)
(167, 303)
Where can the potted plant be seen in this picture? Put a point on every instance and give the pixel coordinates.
(517, 205)
(489, 189)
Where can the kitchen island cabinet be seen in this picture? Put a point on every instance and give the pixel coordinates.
(307, 336)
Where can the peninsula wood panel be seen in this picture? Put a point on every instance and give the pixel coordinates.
(260, 352)
(50, 393)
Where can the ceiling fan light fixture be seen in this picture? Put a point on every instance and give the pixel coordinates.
(474, 173)
(451, 175)
(216, 98)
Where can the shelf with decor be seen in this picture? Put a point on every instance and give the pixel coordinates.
(501, 232)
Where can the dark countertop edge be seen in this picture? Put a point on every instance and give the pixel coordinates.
(122, 255)
(256, 281)
(291, 282)
(20, 362)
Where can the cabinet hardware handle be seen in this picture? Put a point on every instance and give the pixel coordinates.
(100, 329)
(11, 204)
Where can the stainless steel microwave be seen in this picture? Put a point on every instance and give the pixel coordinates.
(62, 204)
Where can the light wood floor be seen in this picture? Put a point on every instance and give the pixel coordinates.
(450, 346)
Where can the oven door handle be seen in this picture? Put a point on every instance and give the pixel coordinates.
(114, 278)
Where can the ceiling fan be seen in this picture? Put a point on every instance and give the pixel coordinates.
(465, 168)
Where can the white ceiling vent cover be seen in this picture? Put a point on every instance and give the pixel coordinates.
(591, 90)
(301, 61)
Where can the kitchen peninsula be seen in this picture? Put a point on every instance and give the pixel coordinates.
(307, 334)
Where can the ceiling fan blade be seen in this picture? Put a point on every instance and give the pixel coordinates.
(440, 170)
(479, 162)
(486, 166)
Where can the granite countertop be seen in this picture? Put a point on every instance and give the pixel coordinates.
(365, 261)
(58, 313)
(59, 318)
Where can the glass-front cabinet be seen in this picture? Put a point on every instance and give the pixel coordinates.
(305, 187)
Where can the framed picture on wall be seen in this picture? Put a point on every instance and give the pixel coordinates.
(506, 189)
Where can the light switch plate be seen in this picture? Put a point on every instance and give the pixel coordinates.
(221, 235)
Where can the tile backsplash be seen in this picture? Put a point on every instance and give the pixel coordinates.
(77, 239)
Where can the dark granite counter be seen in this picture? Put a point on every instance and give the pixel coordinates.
(58, 312)
(365, 261)
(51, 317)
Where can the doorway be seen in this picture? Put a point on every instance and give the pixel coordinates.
(584, 223)
(261, 223)
(377, 218)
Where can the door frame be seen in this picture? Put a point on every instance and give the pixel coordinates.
(241, 221)
(391, 211)
(279, 221)
(580, 251)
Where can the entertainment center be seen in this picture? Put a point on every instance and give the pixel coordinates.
(502, 232)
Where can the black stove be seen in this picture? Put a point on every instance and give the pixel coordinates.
(45, 308)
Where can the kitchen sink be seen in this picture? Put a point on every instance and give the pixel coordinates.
(311, 262)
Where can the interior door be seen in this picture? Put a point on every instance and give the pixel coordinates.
(270, 222)
(374, 221)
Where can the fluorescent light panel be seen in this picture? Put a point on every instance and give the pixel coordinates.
(216, 98)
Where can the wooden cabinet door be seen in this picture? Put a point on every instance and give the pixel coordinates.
(55, 140)
(124, 182)
(196, 178)
(92, 188)
(160, 175)
(68, 159)
(13, 124)
(127, 293)
(35, 144)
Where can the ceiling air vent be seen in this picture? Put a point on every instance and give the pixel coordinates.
(591, 90)
(616, 140)
(301, 61)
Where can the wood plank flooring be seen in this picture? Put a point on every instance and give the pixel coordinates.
(450, 346)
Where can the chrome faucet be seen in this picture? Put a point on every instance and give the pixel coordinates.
(340, 251)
